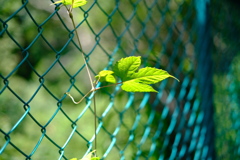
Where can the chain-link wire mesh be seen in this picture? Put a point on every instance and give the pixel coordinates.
(40, 60)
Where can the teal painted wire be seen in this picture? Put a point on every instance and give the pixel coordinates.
(195, 131)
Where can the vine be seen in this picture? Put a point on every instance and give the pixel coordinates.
(125, 72)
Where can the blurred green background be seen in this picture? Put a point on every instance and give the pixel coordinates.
(39, 62)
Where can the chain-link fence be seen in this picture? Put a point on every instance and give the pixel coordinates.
(40, 60)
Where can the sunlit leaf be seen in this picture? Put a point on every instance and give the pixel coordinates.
(75, 3)
(126, 67)
(105, 76)
(134, 79)
(134, 86)
(150, 75)
(89, 156)
(138, 81)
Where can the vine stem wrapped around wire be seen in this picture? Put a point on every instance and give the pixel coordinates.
(75, 4)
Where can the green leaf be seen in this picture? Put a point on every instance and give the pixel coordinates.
(134, 86)
(126, 67)
(89, 156)
(105, 76)
(134, 81)
(75, 3)
(150, 75)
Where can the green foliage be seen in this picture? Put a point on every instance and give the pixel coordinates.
(73, 3)
(134, 80)
(88, 157)
(95, 158)
(106, 76)
(126, 67)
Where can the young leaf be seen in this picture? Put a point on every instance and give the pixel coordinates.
(89, 156)
(134, 81)
(134, 86)
(75, 3)
(150, 75)
(126, 67)
(105, 76)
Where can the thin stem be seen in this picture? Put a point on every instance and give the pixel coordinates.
(95, 89)
(85, 62)
(89, 75)
(95, 122)
(81, 98)
(94, 109)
